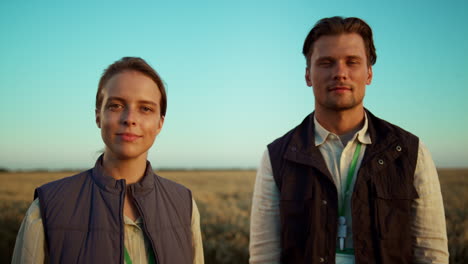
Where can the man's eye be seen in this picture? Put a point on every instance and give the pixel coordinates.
(146, 109)
(324, 63)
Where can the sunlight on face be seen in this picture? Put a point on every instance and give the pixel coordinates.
(130, 117)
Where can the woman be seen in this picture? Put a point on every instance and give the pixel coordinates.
(119, 211)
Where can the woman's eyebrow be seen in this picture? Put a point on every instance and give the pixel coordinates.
(147, 102)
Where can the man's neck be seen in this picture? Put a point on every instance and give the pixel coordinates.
(131, 170)
(340, 122)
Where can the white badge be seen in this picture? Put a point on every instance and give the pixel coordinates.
(344, 259)
(341, 231)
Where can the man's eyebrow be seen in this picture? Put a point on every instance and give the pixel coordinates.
(116, 98)
(325, 58)
(354, 57)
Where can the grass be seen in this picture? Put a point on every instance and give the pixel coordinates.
(224, 200)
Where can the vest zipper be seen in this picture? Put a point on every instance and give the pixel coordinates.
(122, 221)
(145, 229)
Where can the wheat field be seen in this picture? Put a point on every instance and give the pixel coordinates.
(224, 201)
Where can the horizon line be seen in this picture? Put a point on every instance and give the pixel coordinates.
(6, 170)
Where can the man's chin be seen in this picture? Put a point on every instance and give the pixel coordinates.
(342, 107)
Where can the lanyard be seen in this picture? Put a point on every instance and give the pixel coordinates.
(128, 260)
(341, 218)
(349, 179)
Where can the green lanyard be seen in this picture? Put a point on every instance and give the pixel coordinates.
(151, 259)
(349, 180)
(342, 220)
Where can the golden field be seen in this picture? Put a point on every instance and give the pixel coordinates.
(224, 200)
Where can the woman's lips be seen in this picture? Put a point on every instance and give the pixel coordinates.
(128, 137)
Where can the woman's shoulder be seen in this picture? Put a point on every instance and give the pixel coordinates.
(64, 185)
(170, 184)
(73, 179)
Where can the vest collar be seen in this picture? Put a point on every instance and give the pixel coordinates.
(302, 146)
(108, 183)
(382, 136)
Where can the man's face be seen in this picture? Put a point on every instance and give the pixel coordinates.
(129, 117)
(339, 72)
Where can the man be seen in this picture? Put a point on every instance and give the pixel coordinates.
(345, 186)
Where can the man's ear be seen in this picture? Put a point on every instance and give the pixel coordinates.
(97, 114)
(307, 77)
(369, 75)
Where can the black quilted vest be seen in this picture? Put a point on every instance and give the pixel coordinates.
(380, 203)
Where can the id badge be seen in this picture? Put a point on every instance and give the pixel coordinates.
(344, 258)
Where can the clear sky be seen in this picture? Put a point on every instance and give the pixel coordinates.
(234, 73)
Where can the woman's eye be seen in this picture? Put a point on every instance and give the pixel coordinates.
(114, 106)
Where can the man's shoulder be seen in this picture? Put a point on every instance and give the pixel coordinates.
(300, 128)
(383, 127)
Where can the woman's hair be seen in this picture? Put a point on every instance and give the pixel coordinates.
(132, 64)
(339, 25)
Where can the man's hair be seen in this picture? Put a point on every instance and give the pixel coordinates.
(132, 64)
(336, 26)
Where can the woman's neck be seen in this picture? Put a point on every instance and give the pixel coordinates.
(132, 170)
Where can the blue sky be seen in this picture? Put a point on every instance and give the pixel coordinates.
(234, 73)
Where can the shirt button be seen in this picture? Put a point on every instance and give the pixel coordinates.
(381, 162)
(398, 148)
(324, 202)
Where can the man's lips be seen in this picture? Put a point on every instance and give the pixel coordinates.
(128, 136)
(339, 89)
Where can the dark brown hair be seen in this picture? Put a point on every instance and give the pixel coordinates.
(132, 64)
(339, 25)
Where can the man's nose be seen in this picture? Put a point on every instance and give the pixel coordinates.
(340, 71)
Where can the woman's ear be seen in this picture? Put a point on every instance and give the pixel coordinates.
(160, 124)
(98, 117)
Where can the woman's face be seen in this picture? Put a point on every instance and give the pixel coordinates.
(129, 117)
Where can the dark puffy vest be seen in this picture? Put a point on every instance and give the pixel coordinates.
(83, 217)
(380, 203)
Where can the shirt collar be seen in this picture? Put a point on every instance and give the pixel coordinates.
(321, 134)
(137, 223)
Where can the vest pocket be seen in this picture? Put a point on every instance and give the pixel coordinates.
(294, 223)
(393, 212)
